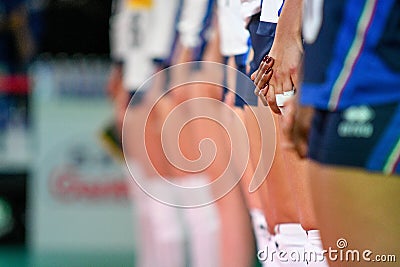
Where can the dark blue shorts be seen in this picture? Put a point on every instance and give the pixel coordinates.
(262, 36)
(241, 78)
(366, 137)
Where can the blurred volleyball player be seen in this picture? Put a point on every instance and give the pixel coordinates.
(287, 51)
(234, 44)
(119, 43)
(167, 227)
(288, 236)
(159, 229)
(278, 204)
(202, 44)
(348, 123)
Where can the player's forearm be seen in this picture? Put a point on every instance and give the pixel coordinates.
(290, 20)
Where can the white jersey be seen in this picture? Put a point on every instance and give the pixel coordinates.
(140, 31)
(119, 31)
(233, 34)
(162, 28)
(249, 8)
(138, 65)
(137, 61)
(191, 22)
(270, 10)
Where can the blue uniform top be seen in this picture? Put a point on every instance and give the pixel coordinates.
(355, 58)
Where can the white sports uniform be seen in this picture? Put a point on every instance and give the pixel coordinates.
(289, 237)
(138, 64)
(119, 25)
(233, 34)
(191, 22)
(165, 231)
(270, 10)
(128, 39)
(162, 28)
(249, 8)
(142, 30)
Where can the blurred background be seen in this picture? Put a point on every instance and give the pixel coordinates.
(63, 196)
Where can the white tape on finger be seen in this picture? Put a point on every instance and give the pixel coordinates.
(281, 99)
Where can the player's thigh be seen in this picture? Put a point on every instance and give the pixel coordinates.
(360, 207)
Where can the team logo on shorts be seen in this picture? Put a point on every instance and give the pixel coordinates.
(357, 122)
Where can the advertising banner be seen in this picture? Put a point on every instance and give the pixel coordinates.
(78, 192)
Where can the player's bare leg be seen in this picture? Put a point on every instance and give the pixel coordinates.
(374, 221)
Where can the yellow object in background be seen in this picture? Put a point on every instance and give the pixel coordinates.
(140, 4)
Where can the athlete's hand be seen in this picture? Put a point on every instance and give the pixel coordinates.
(296, 125)
(261, 78)
(287, 50)
(263, 74)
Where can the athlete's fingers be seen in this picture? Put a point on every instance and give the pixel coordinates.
(264, 68)
(256, 89)
(275, 87)
(287, 85)
(263, 82)
(295, 79)
(271, 99)
(266, 63)
(263, 95)
(278, 80)
(253, 75)
(256, 75)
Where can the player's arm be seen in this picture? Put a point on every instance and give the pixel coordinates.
(287, 50)
(297, 120)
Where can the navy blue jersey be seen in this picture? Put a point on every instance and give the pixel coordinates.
(355, 59)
